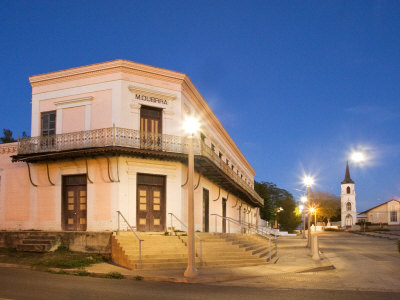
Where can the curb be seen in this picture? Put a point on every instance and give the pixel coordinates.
(200, 279)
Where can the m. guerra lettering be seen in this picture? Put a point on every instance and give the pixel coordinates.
(150, 99)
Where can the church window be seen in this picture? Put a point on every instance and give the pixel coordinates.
(348, 190)
(393, 216)
(348, 206)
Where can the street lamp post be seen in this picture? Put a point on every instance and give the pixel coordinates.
(308, 181)
(191, 126)
(315, 219)
(304, 200)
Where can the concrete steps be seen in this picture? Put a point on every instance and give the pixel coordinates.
(37, 242)
(255, 244)
(170, 252)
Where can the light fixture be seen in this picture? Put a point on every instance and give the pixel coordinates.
(191, 125)
(357, 156)
(308, 181)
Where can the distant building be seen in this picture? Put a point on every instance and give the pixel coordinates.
(387, 212)
(348, 200)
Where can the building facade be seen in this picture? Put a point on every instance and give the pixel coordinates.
(385, 213)
(108, 137)
(348, 200)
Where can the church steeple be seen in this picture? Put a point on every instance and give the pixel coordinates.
(347, 178)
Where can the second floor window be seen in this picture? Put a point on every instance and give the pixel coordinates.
(48, 123)
(348, 206)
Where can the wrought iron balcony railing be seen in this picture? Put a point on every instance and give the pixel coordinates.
(129, 138)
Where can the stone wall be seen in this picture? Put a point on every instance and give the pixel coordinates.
(92, 242)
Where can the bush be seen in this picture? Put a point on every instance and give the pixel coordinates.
(62, 249)
(332, 229)
(115, 275)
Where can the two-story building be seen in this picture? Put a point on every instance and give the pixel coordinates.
(108, 137)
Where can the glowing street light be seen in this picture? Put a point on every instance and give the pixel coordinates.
(303, 199)
(357, 156)
(308, 181)
(191, 125)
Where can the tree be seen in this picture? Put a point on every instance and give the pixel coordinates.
(274, 198)
(328, 205)
(7, 137)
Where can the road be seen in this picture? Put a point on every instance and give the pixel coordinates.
(27, 284)
(366, 268)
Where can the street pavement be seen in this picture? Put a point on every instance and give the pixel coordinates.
(352, 267)
(361, 263)
(27, 284)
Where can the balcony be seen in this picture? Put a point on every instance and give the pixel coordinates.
(121, 141)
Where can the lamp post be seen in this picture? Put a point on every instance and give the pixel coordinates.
(315, 219)
(308, 181)
(277, 211)
(303, 200)
(191, 126)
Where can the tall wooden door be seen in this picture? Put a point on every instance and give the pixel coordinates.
(74, 203)
(150, 204)
(206, 210)
(150, 128)
(224, 215)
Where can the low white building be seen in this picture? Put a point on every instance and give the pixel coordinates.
(385, 213)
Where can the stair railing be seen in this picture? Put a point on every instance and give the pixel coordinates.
(135, 234)
(259, 230)
(234, 221)
(172, 216)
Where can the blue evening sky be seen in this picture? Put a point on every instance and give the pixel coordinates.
(297, 84)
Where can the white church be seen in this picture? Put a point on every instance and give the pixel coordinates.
(348, 200)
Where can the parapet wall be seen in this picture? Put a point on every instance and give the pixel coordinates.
(91, 242)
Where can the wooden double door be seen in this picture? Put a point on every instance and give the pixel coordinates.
(150, 203)
(74, 203)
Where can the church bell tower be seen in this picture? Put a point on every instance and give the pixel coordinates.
(348, 200)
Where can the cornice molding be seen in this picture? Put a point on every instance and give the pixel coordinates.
(119, 65)
(74, 102)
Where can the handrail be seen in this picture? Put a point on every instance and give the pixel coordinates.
(134, 232)
(183, 224)
(259, 230)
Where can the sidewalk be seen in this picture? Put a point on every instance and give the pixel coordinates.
(293, 255)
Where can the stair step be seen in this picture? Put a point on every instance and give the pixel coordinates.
(35, 241)
(33, 247)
